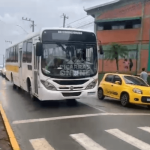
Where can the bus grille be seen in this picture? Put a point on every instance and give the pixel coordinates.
(72, 82)
(71, 94)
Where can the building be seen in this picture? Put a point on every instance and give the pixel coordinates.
(126, 22)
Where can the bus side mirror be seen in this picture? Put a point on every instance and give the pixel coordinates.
(101, 50)
(39, 49)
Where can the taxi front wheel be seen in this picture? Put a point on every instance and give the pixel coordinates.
(100, 94)
(124, 99)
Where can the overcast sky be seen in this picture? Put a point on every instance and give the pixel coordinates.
(45, 13)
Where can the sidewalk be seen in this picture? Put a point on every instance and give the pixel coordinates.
(4, 140)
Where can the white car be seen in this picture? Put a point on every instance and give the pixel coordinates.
(4, 71)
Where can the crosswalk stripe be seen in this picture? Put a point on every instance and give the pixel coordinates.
(129, 139)
(41, 144)
(86, 142)
(145, 129)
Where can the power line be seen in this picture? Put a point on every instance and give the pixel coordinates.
(22, 29)
(86, 24)
(83, 23)
(77, 20)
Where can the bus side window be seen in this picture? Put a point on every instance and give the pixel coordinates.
(16, 54)
(29, 51)
(24, 51)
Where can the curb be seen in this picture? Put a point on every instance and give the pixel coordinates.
(12, 138)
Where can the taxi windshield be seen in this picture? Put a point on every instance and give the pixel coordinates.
(134, 81)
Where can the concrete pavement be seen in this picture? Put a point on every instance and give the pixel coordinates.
(92, 124)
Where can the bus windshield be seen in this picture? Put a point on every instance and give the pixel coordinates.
(62, 60)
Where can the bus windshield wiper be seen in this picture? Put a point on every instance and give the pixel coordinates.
(59, 44)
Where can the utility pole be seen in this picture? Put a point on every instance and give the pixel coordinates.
(64, 19)
(33, 25)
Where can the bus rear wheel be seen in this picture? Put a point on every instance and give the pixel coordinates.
(12, 80)
(30, 90)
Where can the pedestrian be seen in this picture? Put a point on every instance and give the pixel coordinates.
(144, 75)
(126, 64)
(130, 64)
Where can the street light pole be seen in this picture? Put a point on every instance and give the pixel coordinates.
(33, 25)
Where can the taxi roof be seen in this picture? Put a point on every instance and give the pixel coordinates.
(119, 74)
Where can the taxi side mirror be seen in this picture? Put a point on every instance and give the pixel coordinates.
(118, 82)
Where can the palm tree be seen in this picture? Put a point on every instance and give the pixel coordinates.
(116, 51)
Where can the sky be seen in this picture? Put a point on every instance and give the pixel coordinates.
(45, 13)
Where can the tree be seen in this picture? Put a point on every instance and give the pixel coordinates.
(115, 51)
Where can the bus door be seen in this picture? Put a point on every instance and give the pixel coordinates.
(36, 72)
(20, 67)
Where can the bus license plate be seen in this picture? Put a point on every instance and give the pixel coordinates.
(148, 99)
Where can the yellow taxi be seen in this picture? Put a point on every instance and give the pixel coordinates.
(126, 88)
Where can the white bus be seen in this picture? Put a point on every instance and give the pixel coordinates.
(55, 64)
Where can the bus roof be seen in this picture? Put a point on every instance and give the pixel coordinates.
(29, 36)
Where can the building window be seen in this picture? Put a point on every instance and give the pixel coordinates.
(29, 51)
(100, 28)
(116, 25)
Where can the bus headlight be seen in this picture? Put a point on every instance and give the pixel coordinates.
(48, 85)
(92, 84)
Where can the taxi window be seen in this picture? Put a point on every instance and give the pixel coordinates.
(109, 78)
(117, 78)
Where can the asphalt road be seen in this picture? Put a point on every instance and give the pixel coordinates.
(90, 125)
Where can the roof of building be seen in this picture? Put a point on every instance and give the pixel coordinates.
(102, 5)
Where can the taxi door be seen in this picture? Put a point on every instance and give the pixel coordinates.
(116, 88)
(107, 84)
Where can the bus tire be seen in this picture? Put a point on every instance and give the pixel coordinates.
(12, 80)
(30, 89)
(30, 92)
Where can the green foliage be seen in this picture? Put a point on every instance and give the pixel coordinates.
(115, 51)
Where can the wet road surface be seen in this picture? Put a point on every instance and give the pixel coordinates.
(91, 124)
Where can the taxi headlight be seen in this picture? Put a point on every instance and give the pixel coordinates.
(138, 91)
(92, 84)
(48, 85)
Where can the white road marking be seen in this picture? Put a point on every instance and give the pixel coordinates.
(129, 139)
(54, 118)
(41, 144)
(94, 107)
(86, 142)
(78, 116)
(147, 129)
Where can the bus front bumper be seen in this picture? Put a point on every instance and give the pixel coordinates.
(46, 95)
